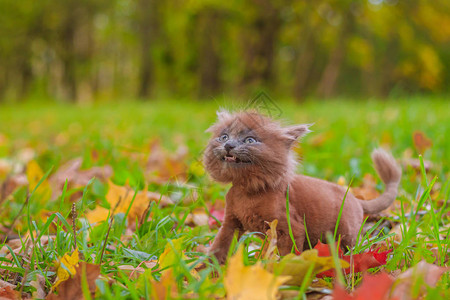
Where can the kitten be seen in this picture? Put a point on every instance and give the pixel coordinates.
(255, 154)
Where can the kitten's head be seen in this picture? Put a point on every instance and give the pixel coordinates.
(251, 150)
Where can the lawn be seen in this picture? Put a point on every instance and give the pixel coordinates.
(145, 221)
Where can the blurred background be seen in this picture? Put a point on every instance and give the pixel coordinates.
(95, 50)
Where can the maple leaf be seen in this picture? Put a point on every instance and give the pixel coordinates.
(361, 261)
(82, 282)
(250, 282)
(120, 198)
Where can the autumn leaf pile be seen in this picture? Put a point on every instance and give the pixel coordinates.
(114, 203)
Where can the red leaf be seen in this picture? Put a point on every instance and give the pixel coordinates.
(218, 214)
(373, 287)
(361, 262)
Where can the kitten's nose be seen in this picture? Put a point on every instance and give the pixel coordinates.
(230, 145)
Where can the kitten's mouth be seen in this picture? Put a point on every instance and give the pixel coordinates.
(233, 159)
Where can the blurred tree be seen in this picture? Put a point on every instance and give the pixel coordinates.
(80, 50)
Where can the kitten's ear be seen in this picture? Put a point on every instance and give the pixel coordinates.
(295, 132)
(222, 114)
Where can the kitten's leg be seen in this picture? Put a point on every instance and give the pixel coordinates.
(223, 239)
(285, 242)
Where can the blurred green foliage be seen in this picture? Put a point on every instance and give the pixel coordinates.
(80, 50)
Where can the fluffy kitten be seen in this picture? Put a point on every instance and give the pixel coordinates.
(255, 154)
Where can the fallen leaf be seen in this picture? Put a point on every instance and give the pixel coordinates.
(269, 250)
(39, 284)
(165, 288)
(367, 190)
(218, 214)
(72, 288)
(75, 177)
(415, 164)
(171, 254)
(120, 198)
(162, 167)
(373, 287)
(297, 266)
(419, 275)
(11, 184)
(361, 261)
(250, 282)
(421, 141)
(4, 284)
(7, 293)
(198, 217)
(66, 267)
(34, 175)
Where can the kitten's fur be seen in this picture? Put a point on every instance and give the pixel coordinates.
(260, 170)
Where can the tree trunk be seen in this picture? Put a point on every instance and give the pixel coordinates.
(304, 66)
(327, 83)
(147, 22)
(210, 28)
(260, 48)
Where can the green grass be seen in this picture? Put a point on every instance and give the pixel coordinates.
(344, 134)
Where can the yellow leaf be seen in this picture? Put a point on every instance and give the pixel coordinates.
(66, 267)
(250, 282)
(34, 175)
(120, 199)
(270, 250)
(297, 266)
(169, 257)
(197, 168)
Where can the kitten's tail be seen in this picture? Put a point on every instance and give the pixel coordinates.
(390, 173)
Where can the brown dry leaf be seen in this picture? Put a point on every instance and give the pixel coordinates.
(72, 288)
(132, 271)
(421, 273)
(250, 282)
(4, 284)
(162, 167)
(75, 177)
(421, 141)
(125, 195)
(11, 184)
(367, 190)
(415, 164)
(7, 293)
(39, 285)
(198, 217)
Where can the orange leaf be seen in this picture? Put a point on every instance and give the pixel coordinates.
(421, 142)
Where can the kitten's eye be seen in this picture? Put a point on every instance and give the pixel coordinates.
(249, 140)
(223, 137)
